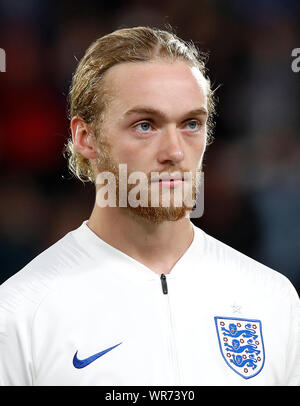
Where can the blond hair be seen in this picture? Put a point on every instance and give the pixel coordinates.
(87, 96)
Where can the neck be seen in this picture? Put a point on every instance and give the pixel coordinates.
(157, 246)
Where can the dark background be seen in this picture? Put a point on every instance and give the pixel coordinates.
(252, 170)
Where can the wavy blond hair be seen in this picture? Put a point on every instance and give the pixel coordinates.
(87, 96)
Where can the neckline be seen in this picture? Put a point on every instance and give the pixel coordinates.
(92, 242)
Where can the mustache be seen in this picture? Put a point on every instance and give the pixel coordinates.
(106, 162)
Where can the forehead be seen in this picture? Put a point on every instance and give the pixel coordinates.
(171, 86)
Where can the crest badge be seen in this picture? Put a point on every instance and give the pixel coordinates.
(241, 345)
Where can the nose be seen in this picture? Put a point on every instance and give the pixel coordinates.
(171, 150)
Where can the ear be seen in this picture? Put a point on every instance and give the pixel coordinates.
(83, 139)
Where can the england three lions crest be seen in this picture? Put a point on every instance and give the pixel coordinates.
(241, 345)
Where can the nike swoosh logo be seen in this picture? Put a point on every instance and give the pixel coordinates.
(81, 363)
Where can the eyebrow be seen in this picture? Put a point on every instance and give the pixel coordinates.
(201, 111)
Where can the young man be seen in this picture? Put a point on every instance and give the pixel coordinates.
(138, 295)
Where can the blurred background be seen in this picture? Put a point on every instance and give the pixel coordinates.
(252, 170)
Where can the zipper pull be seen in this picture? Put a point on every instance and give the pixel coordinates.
(164, 283)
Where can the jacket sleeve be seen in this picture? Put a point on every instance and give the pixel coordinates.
(293, 348)
(16, 366)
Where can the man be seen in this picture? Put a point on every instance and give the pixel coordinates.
(138, 295)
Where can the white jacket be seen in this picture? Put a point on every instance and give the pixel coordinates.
(85, 313)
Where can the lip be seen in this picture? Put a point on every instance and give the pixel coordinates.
(169, 180)
(170, 183)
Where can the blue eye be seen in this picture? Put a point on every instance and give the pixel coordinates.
(145, 127)
(193, 124)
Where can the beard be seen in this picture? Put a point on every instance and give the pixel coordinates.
(157, 213)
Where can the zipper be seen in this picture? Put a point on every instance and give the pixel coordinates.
(164, 285)
(171, 335)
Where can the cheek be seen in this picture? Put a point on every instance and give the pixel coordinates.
(197, 147)
(135, 156)
(127, 150)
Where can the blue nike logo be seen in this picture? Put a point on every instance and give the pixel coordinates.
(81, 363)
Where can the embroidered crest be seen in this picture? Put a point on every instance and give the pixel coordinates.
(241, 345)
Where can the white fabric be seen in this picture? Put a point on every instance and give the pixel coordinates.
(81, 294)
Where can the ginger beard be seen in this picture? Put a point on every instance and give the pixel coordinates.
(153, 214)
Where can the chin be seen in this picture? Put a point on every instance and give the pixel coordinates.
(158, 215)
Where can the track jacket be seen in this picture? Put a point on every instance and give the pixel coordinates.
(84, 313)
